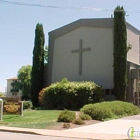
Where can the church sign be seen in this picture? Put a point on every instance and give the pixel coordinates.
(12, 107)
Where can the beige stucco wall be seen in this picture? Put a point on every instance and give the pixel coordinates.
(133, 40)
(9, 85)
(97, 63)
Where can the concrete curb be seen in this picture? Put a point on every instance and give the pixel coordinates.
(19, 131)
(67, 134)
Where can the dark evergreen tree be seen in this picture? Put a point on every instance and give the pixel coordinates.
(120, 54)
(38, 64)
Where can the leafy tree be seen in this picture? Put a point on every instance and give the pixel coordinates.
(46, 55)
(120, 54)
(24, 84)
(38, 64)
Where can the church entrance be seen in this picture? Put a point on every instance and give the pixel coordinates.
(136, 92)
(133, 83)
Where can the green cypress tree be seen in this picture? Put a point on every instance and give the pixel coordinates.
(120, 54)
(37, 82)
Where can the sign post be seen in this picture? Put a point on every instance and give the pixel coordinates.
(1, 109)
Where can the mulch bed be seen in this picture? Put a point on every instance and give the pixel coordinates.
(60, 126)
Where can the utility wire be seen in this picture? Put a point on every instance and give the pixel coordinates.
(63, 7)
(50, 6)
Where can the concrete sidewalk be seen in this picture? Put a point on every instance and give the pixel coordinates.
(67, 134)
(114, 129)
(117, 128)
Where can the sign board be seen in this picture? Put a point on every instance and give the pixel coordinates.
(12, 107)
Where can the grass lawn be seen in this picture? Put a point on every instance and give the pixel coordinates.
(32, 119)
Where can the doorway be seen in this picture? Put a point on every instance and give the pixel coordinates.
(136, 92)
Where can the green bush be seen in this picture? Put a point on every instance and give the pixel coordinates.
(98, 111)
(70, 95)
(85, 117)
(109, 110)
(78, 121)
(124, 108)
(66, 116)
(1, 95)
(27, 105)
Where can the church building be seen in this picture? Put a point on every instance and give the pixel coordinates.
(83, 51)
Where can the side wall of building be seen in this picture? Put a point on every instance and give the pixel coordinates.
(133, 39)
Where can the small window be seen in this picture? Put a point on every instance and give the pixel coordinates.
(107, 91)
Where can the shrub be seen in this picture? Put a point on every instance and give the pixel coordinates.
(78, 121)
(85, 117)
(66, 116)
(1, 95)
(109, 110)
(124, 108)
(27, 105)
(40, 97)
(66, 125)
(99, 111)
(70, 95)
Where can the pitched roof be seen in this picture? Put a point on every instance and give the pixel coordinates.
(95, 22)
(13, 78)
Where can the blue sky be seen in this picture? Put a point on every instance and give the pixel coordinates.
(17, 25)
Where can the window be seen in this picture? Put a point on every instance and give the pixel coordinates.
(107, 91)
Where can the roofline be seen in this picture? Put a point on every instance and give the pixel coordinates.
(95, 22)
(133, 63)
(13, 78)
(92, 22)
(132, 27)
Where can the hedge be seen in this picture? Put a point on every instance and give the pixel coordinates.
(109, 110)
(70, 95)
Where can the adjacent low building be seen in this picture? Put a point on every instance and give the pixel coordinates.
(12, 90)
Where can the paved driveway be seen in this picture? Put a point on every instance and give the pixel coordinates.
(112, 127)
